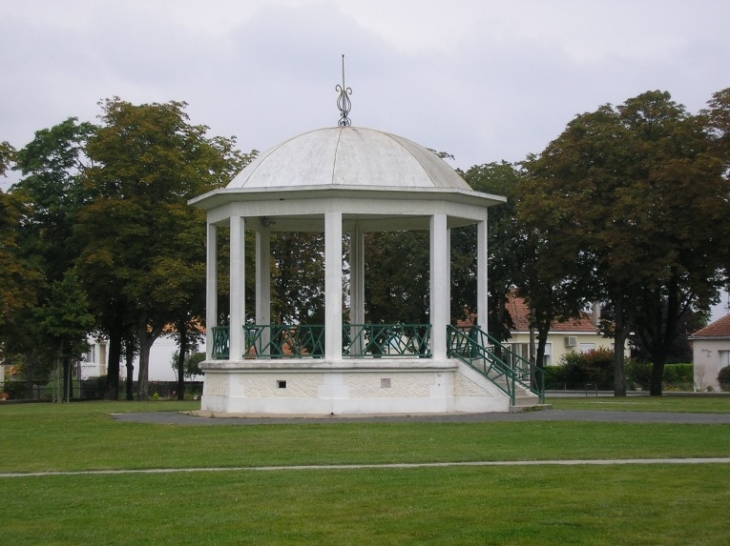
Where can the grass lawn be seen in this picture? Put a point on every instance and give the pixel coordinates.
(643, 504)
(679, 404)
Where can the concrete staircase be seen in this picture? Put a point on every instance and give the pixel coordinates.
(525, 400)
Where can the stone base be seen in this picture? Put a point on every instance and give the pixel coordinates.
(347, 387)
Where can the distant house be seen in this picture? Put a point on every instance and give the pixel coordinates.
(94, 362)
(711, 352)
(578, 335)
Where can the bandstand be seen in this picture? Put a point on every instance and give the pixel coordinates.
(348, 181)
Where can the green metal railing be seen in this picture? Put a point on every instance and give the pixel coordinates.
(503, 367)
(220, 343)
(389, 340)
(284, 341)
(307, 341)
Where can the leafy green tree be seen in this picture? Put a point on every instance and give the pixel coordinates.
(51, 194)
(681, 350)
(297, 289)
(397, 277)
(717, 123)
(65, 321)
(143, 245)
(51, 166)
(716, 119)
(191, 365)
(19, 281)
(7, 153)
(631, 197)
(504, 265)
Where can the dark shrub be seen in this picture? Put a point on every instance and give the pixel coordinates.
(554, 378)
(638, 375)
(679, 376)
(724, 378)
(580, 369)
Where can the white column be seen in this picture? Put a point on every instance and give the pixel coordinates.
(357, 282)
(238, 288)
(211, 290)
(333, 285)
(482, 294)
(263, 282)
(440, 288)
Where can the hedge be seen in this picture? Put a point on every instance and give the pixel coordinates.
(595, 368)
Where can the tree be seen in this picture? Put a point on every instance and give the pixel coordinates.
(51, 166)
(6, 157)
(397, 277)
(65, 321)
(681, 350)
(51, 194)
(148, 161)
(717, 123)
(19, 281)
(190, 365)
(631, 198)
(297, 289)
(716, 120)
(503, 238)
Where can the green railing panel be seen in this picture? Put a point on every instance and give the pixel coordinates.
(495, 361)
(307, 341)
(220, 342)
(386, 340)
(284, 341)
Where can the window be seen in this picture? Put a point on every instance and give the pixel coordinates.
(548, 360)
(587, 347)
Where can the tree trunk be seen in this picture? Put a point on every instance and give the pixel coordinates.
(112, 369)
(665, 332)
(542, 335)
(619, 340)
(130, 369)
(146, 338)
(182, 353)
(657, 378)
(66, 379)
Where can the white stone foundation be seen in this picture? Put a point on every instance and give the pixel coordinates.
(349, 387)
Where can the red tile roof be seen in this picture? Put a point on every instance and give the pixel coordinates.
(719, 328)
(519, 312)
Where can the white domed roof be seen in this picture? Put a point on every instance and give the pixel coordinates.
(348, 157)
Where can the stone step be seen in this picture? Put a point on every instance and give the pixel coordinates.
(533, 407)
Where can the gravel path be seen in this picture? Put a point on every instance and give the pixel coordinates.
(570, 462)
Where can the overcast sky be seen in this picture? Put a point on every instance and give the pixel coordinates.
(484, 80)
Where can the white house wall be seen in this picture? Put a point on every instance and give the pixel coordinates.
(710, 356)
(557, 343)
(160, 367)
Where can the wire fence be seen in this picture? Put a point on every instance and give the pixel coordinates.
(89, 389)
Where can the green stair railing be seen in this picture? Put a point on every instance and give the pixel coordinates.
(495, 361)
(386, 340)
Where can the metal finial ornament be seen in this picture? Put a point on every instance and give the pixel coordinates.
(343, 101)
